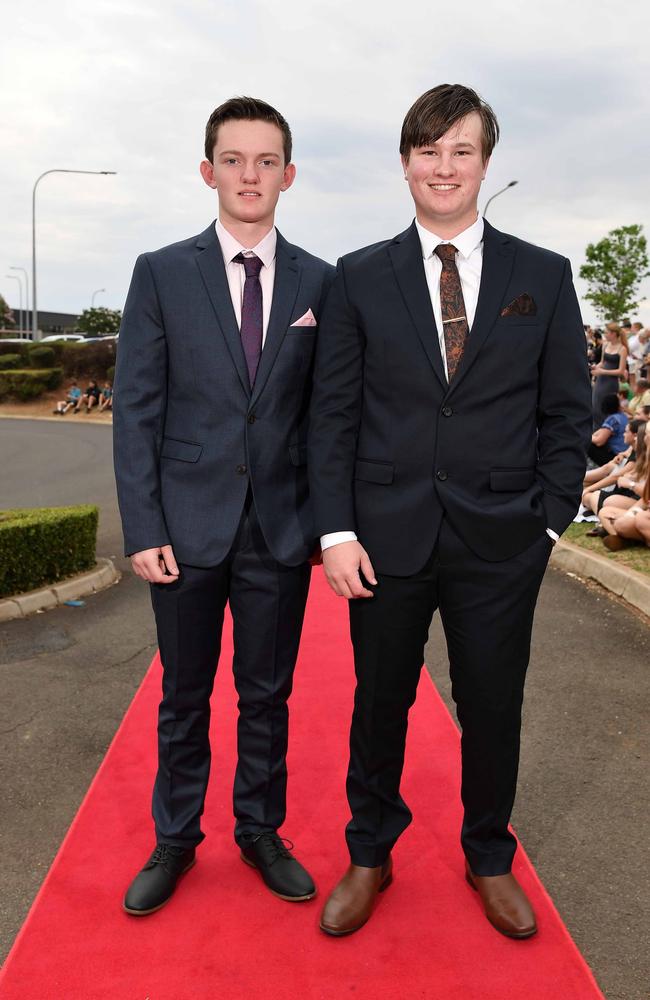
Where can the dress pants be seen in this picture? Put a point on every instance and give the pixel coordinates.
(487, 611)
(267, 603)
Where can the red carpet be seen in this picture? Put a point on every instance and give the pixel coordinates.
(224, 936)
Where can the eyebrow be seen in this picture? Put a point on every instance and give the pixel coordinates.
(237, 152)
(457, 145)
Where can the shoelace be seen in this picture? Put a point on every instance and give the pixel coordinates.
(277, 846)
(163, 853)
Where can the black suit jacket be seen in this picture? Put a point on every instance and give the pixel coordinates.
(189, 435)
(392, 446)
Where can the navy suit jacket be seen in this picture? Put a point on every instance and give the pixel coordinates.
(189, 434)
(393, 446)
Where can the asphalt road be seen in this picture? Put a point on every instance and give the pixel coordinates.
(68, 676)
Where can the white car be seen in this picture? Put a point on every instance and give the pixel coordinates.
(61, 336)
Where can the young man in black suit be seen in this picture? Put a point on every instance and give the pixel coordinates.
(210, 415)
(449, 423)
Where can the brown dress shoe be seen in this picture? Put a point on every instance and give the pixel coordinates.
(352, 901)
(505, 903)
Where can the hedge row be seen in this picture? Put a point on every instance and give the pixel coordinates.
(76, 359)
(24, 384)
(44, 545)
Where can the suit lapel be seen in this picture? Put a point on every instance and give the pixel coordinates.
(213, 272)
(285, 290)
(406, 256)
(498, 258)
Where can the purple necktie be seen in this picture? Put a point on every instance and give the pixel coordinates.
(251, 313)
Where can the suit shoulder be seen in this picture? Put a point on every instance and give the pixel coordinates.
(172, 249)
(310, 261)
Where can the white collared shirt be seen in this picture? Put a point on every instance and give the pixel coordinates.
(469, 261)
(236, 275)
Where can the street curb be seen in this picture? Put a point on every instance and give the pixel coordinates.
(53, 419)
(627, 583)
(20, 605)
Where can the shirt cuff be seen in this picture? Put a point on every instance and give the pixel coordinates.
(336, 537)
(553, 535)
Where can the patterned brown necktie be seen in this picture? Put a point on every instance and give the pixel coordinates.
(454, 318)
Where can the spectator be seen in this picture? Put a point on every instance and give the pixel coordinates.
(70, 402)
(621, 525)
(637, 346)
(641, 397)
(106, 397)
(608, 372)
(622, 472)
(90, 398)
(608, 440)
(594, 346)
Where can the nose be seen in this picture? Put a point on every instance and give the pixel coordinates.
(249, 174)
(445, 165)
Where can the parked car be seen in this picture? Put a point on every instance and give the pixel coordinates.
(62, 336)
(111, 338)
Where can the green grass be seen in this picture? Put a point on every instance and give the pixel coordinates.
(637, 556)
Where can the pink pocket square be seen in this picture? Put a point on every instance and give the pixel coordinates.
(523, 305)
(307, 320)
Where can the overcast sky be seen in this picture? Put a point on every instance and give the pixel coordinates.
(128, 85)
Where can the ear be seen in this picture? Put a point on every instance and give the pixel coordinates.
(486, 163)
(207, 173)
(288, 177)
(405, 165)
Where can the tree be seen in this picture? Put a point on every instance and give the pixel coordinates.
(615, 267)
(7, 317)
(99, 321)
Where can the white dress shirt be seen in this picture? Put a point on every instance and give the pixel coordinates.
(469, 261)
(236, 275)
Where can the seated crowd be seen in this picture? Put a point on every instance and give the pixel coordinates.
(617, 482)
(92, 396)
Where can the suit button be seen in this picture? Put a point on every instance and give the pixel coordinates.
(241, 470)
(251, 418)
(447, 411)
(442, 474)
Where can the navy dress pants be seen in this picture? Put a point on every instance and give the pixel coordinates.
(267, 603)
(486, 610)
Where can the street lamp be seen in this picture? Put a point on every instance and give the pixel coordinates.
(511, 184)
(14, 277)
(56, 171)
(22, 269)
(96, 292)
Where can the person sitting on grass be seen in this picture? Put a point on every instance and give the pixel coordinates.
(607, 441)
(618, 517)
(641, 397)
(106, 398)
(90, 398)
(627, 467)
(71, 400)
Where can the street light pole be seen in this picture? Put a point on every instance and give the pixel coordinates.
(511, 184)
(14, 277)
(97, 292)
(55, 171)
(22, 269)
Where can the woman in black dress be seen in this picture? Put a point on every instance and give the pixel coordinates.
(609, 370)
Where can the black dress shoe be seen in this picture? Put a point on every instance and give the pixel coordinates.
(154, 885)
(283, 875)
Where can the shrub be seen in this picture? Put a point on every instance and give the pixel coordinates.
(41, 357)
(43, 545)
(27, 384)
(15, 349)
(81, 360)
(110, 374)
(8, 361)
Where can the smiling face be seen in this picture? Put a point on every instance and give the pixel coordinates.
(248, 173)
(445, 177)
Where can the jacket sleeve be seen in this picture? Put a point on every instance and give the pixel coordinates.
(139, 412)
(563, 409)
(335, 412)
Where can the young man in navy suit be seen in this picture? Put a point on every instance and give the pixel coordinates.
(449, 424)
(212, 392)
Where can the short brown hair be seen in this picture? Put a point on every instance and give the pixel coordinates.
(245, 109)
(437, 110)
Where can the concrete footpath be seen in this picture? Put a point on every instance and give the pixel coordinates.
(72, 588)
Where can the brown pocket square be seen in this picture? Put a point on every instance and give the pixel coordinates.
(523, 305)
